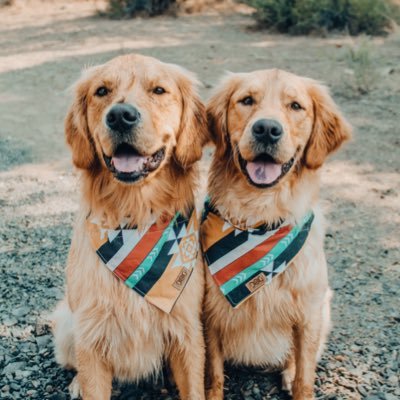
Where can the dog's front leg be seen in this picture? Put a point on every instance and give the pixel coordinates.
(306, 346)
(187, 362)
(214, 366)
(94, 376)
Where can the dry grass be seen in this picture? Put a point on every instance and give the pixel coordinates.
(362, 68)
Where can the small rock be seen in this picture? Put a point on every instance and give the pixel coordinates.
(256, 390)
(13, 366)
(14, 387)
(43, 341)
(56, 293)
(20, 311)
(393, 380)
(9, 321)
(22, 374)
(362, 390)
(41, 328)
(57, 396)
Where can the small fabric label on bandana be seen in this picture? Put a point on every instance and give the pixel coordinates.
(256, 283)
(242, 261)
(156, 262)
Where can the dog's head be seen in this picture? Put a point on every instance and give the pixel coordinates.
(134, 115)
(272, 120)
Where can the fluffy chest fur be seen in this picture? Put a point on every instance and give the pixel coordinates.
(131, 335)
(259, 331)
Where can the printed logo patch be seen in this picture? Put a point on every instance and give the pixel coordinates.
(256, 282)
(181, 279)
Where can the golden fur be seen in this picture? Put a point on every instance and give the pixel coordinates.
(103, 329)
(285, 324)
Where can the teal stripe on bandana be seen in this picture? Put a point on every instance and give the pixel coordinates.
(152, 256)
(253, 269)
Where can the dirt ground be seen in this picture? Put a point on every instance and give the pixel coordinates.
(44, 46)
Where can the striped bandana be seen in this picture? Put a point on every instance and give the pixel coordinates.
(242, 261)
(156, 262)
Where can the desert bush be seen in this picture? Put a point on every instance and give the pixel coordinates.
(372, 17)
(130, 8)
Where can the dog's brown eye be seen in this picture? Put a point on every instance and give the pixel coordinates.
(296, 106)
(247, 101)
(158, 90)
(102, 91)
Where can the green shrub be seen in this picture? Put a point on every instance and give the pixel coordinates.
(131, 8)
(372, 17)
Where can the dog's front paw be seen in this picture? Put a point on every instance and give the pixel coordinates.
(287, 383)
(75, 389)
(303, 392)
(215, 394)
(288, 378)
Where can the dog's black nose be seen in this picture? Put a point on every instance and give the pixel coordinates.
(122, 117)
(267, 131)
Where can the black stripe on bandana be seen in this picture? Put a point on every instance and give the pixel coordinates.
(108, 250)
(225, 245)
(161, 262)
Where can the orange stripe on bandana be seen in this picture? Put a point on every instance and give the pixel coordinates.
(250, 257)
(139, 253)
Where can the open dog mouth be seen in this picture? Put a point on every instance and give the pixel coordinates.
(264, 171)
(128, 165)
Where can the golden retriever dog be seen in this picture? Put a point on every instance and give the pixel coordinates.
(273, 131)
(136, 129)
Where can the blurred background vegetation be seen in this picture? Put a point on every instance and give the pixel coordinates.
(131, 8)
(295, 17)
(372, 17)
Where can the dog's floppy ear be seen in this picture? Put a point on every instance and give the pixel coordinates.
(193, 133)
(76, 129)
(330, 129)
(217, 110)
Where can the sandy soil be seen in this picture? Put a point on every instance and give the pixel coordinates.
(43, 47)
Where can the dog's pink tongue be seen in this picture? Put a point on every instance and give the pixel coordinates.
(263, 172)
(128, 162)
